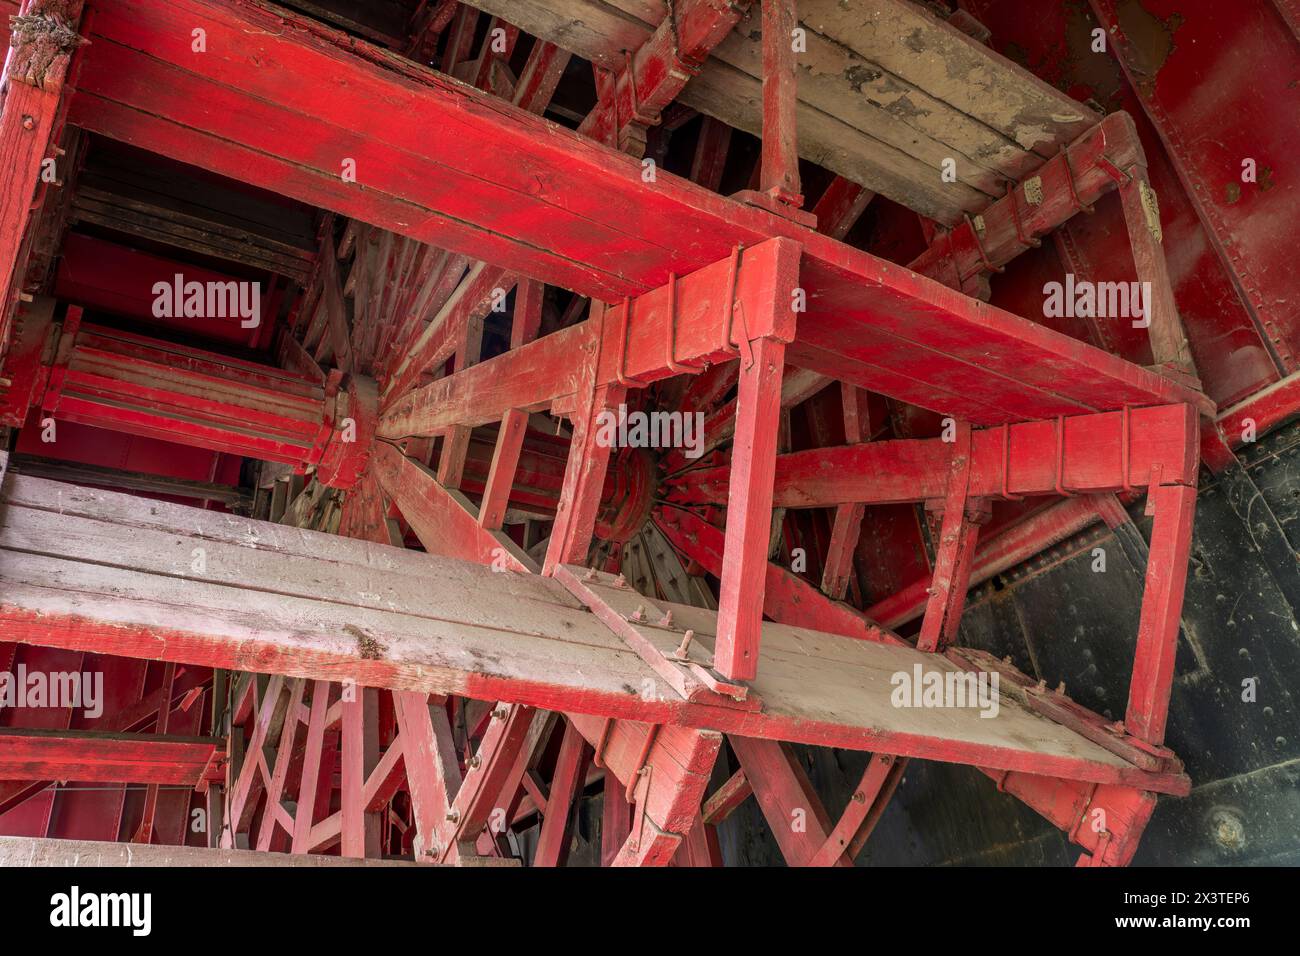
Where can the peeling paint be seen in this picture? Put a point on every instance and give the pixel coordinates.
(1150, 41)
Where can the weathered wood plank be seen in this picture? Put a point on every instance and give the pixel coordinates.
(480, 640)
(887, 92)
(37, 851)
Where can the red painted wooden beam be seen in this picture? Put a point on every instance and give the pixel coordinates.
(659, 70)
(559, 211)
(126, 382)
(780, 148)
(696, 318)
(1085, 454)
(443, 519)
(87, 756)
(785, 794)
(1079, 176)
(32, 98)
(1162, 604)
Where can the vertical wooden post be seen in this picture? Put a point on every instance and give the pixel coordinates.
(584, 472)
(145, 832)
(361, 830)
(1162, 605)
(353, 775)
(455, 444)
(699, 847)
(749, 511)
(780, 158)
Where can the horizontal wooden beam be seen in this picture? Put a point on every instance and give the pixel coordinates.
(109, 573)
(695, 320)
(78, 473)
(38, 851)
(563, 210)
(1083, 454)
(88, 756)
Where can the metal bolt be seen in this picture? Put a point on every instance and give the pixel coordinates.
(639, 613)
(453, 816)
(500, 712)
(590, 575)
(667, 619)
(681, 653)
(29, 123)
(475, 762)
(620, 582)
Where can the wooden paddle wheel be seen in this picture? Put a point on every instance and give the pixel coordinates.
(448, 620)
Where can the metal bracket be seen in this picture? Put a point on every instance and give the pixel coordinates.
(673, 365)
(1059, 484)
(1069, 181)
(1029, 242)
(1006, 464)
(620, 368)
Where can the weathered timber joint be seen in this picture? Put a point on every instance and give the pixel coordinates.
(348, 450)
(43, 40)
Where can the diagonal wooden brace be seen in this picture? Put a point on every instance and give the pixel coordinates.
(957, 537)
(649, 631)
